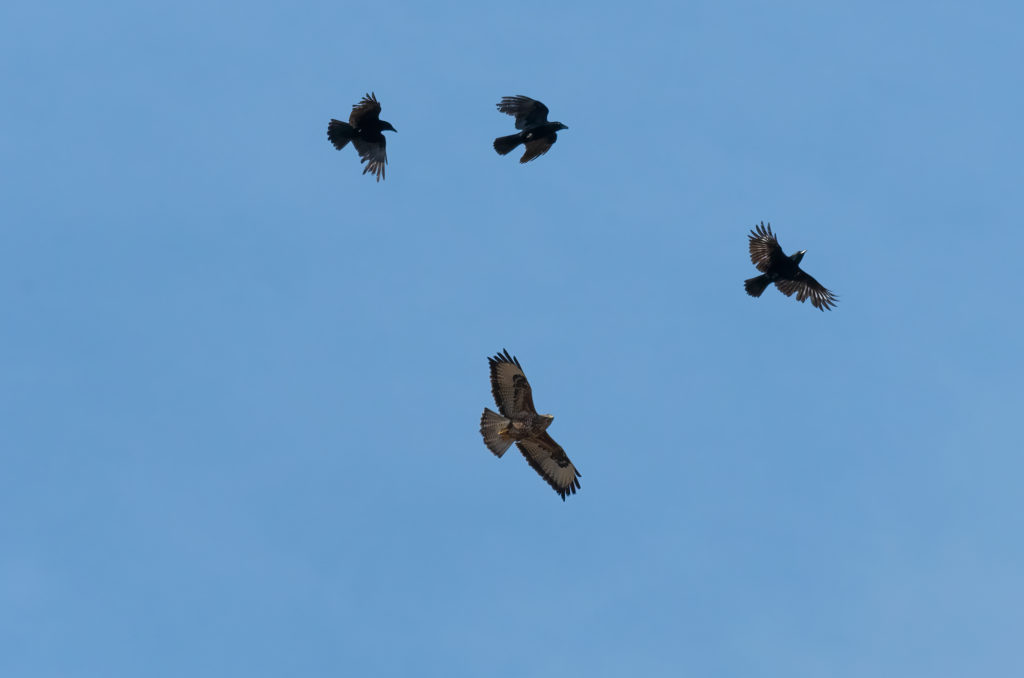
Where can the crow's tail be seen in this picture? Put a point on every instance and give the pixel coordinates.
(504, 145)
(339, 133)
(755, 286)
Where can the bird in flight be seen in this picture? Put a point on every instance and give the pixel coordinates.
(784, 271)
(365, 130)
(532, 118)
(519, 423)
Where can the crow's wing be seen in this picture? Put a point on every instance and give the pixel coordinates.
(528, 112)
(512, 393)
(367, 110)
(538, 147)
(374, 154)
(807, 287)
(764, 248)
(549, 460)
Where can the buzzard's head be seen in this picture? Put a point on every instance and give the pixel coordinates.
(545, 420)
(798, 256)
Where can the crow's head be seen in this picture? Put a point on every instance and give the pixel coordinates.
(385, 126)
(798, 256)
(559, 126)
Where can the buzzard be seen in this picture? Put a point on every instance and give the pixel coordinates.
(532, 118)
(784, 271)
(365, 130)
(519, 423)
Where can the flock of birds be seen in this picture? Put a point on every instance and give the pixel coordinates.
(517, 420)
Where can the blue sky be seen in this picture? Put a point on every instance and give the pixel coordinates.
(241, 383)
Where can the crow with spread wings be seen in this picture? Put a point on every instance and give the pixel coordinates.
(519, 423)
(532, 118)
(365, 130)
(784, 271)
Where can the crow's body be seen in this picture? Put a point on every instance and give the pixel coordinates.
(536, 132)
(767, 255)
(365, 130)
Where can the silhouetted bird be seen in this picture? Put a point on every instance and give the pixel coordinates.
(784, 271)
(364, 129)
(532, 118)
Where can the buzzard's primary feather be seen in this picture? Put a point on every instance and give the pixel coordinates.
(549, 460)
(519, 422)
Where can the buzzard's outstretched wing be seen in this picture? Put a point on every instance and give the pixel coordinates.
(807, 287)
(367, 110)
(511, 390)
(374, 154)
(548, 459)
(528, 112)
(764, 248)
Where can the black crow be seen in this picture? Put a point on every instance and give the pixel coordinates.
(784, 271)
(364, 129)
(532, 118)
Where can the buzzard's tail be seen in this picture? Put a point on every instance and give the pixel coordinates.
(756, 286)
(491, 426)
(505, 145)
(339, 133)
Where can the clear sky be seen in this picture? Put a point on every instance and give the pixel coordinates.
(241, 383)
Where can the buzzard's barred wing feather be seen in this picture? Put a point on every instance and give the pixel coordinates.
(549, 460)
(512, 392)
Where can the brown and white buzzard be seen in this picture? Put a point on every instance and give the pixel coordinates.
(519, 423)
